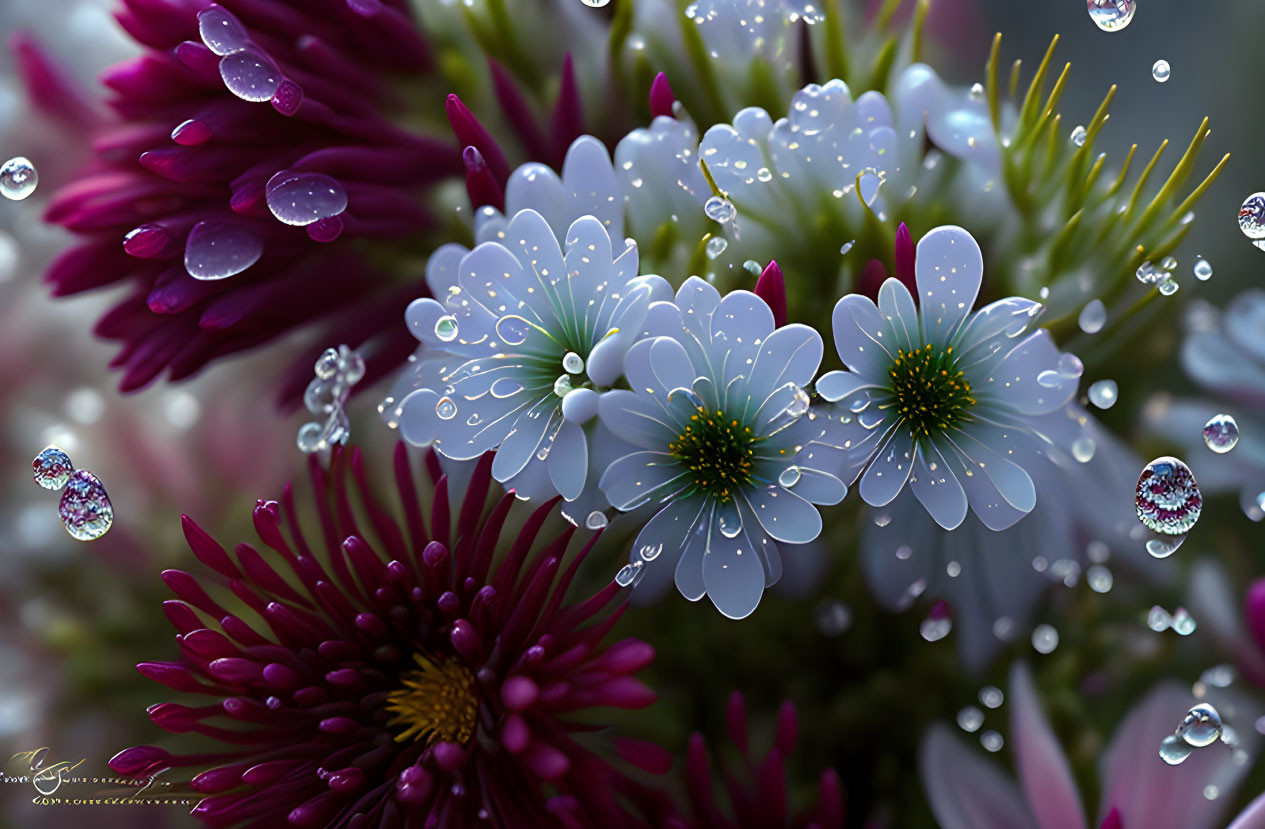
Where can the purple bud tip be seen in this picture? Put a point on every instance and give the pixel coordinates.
(904, 258)
(1113, 820)
(940, 610)
(133, 761)
(661, 97)
(771, 287)
(288, 97)
(871, 279)
(1255, 612)
(519, 693)
(191, 132)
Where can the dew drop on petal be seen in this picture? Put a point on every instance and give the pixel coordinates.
(790, 476)
(649, 552)
(218, 250)
(991, 696)
(1093, 316)
(1167, 497)
(596, 520)
(970, 719)
(562, 386)
(300, 199)
(572, 363)
(1252, 216)
(991, 741)
(51, 468)
(1104, 393)
(1161, 71)
(445, 409)
(18, 178)
(1174, 750)
(1221, 433)
(716, 246)
(629, 573)
(1201, 726)
(446, 328)
(719, 209)
(1079, 135)
(85, 508)
(1045, 639)
(764, 174)
(1070, 366)
(1083, 449)
(221, 31)
(596, 4)
(1111, 15)
(1203, 270)
(250, 74)
(1050, 379)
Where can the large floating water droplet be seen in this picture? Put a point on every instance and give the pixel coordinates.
(1167, 498)
(991, 741)
(1221, 433)
(218, 250)
(1104, 393)
(1164, 547)
(991, 696)
(1252, 216)
(719, 209)
(302, 198)
(1174, 750)
(221, 31)
(1093, 316)
(572, 363)
(716, 246)
(1201, 726)
(18, 178)
(1112, 15)
(1203, 270)
(1083, 449)
(250, 74)
(51, 468)
(1161, 71)
(970, 719)
(85, 508)
(1045, 639)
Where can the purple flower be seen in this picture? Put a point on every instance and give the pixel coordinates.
(943, 398)
(403, 680)
(1138, 788)
(757, 791)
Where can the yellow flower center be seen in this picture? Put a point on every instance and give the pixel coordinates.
(436, 704)
(931, 393)
(718, 451)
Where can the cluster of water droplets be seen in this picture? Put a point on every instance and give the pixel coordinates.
(1112, 15)
(1221, 433)
(18, 178)
(1179, 621)
(85, 509)
(245, 67)
(1161, 277)
(337, 370)
(1199, 728)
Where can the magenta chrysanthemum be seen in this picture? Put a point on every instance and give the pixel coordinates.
(404, 677)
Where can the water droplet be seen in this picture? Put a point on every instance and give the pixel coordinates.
(1099, 578)
(1161, 71)
(1183, 623)
(302, 198)
(764, 174)
(1173, 750)
(85, 508)
(977, 92)
(51, 468)
(1050, 379)
(1070, 366)
(596, 4)
(1203, 270)
(327, 364)
(446, 409)
(1045, 639)
(847, 246)
(1104, 394)
(649, 552)
(1111, 15)
(18, 178)
(221, 31)
(1211, 792)
(934, 628)
(1167, 498)
(1148, 274)
(1252, 216)
(1093, 316)
(310, 438)
(991, 696)
(833, 617)
(573, 363)
(729, 520)
(250, 74)
(1221, 433)
(446, 328)
(1163, 548)
(970, 719)
(1169, 263)
(218, 250)
(790, 476)
(798, 406)
(903, 552)
(719, 209)
(596, 520)
(716, 246)
(752, 267)
(562, 386)
(629, 573)
(512, 330)
(1201, 726)
(1083, 449)
(991, 741)
(321, 396)
(1168, 286)
(1079, 135)
(1159, 619)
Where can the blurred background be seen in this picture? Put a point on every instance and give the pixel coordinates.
(75, 617)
